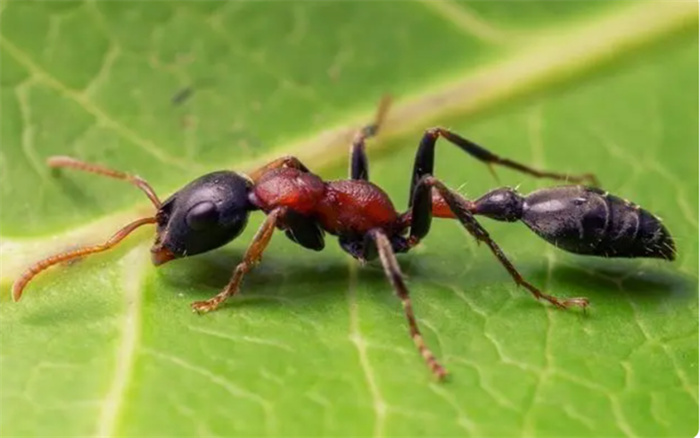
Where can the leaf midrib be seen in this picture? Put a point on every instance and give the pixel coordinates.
(135, 266)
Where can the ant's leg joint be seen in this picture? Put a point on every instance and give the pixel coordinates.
(433, 132)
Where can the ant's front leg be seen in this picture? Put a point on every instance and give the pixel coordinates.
(421, 215)
(252, 257)
(425, 160)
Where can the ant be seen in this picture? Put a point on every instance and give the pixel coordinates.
(213, 210)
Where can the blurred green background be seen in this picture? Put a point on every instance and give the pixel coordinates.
(317, 345)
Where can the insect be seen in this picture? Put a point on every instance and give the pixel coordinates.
(213, 210)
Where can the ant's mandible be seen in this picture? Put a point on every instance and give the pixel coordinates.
(213, 209)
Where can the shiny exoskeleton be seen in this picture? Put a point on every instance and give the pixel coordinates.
(212, 210)
(582, 220)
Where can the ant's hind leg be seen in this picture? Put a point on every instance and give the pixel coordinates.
(377, 241)
(464, 212)
(425, 160)
(252, 256)
(359, 165)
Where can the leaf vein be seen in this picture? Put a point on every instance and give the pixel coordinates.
(244, 338)
(466, 20)
(378, 403)
(218, 380)
(89, 106)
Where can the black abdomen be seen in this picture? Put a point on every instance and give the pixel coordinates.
(585, 220)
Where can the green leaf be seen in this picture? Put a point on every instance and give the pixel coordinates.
(315, 344)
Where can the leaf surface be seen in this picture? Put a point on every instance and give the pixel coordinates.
(317, 345)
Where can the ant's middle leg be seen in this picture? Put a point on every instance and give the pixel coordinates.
(376, 242)
(425, 160)
(252, 256)
(359, 165)
(421, 216)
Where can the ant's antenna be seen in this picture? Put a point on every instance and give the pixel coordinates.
(42, 265)
(63, 161)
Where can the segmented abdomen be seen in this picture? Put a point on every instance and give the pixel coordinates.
(585, 220)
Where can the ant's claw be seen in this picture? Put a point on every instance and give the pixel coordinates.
(441, 374)
(577, 302)
(560, 305)
(202, 307)
(580, 302)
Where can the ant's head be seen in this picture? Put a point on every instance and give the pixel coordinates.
(207, 213)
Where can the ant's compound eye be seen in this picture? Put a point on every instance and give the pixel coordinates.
(202, 215)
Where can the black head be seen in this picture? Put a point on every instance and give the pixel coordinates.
(207, 213)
